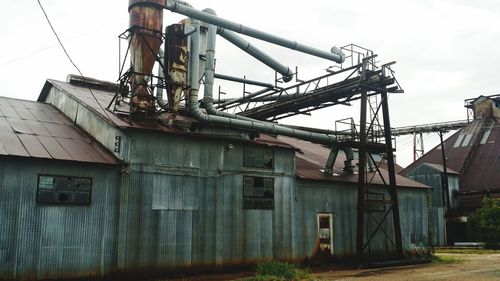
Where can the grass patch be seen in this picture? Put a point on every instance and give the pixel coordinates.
(446, 259)
(280, 271)
(466, 251)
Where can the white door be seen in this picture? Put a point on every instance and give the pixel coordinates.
(325, 232)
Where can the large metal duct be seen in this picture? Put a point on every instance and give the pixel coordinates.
(250, 49)
(175, 6)
(233, 121)
(146, 20)
(210, 108)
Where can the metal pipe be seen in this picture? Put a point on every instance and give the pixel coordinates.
(247, 124)
(240, 99)
(246, 46)
(177, 7)
(250, 49)
(242, 80)
(159, 90)
(210, 74)
(331, 161)
(208, 93)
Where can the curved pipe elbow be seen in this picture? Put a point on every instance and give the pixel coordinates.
(338, 51)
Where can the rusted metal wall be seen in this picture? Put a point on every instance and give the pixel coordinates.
(47, 241)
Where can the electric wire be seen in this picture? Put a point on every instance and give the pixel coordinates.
(45, 48)
(71, 60)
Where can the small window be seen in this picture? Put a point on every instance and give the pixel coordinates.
(258, 157)
(258, 193)
(64, 190)
(375, 202)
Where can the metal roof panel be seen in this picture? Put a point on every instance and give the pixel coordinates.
(12, 144)
(33, 146)
(34, 129)
(8, 111)
(4, 125)
(54, 148)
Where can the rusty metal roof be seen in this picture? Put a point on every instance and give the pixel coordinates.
(482, 172)
(311, 159)
(34, 129)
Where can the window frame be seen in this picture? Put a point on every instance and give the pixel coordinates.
(72, 189)
(264, 150)
(255, 198)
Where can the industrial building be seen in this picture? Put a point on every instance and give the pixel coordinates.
(472, 165)
(86, 194)
(101, 179)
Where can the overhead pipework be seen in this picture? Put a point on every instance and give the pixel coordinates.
(335, 55)
(145, 37)
(190, 59)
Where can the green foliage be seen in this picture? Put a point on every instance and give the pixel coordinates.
(446, 259)
(276, 268)
(279, 271)
(486, 220)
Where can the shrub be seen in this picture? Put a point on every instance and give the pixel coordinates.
(279, 271)
(486, 220)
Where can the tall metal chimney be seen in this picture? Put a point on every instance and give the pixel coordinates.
(146, 23)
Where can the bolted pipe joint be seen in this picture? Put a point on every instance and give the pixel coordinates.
(336, 50)
(349, 155)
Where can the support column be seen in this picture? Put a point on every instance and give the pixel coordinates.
(392, 175)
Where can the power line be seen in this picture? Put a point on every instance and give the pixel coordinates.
(69, 58)
(44, 48)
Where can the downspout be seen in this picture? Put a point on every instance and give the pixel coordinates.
(225, 120)
(159, 90)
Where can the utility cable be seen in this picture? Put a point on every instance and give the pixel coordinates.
(69, 58)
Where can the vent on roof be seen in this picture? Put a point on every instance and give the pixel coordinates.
(92, 83)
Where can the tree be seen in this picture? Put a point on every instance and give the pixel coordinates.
(486, 220)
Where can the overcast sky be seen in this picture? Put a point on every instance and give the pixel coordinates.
(446, 51)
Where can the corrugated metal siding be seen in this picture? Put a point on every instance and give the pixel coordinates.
(341, 201)
(178, 204)
(431, 176)
(202, 223)
(41, 241)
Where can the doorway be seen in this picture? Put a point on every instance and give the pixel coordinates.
(325, 232)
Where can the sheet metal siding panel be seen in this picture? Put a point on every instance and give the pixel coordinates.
(41, 241)
(415, 223)
(341, 200)
(205, 224)
(432, 177)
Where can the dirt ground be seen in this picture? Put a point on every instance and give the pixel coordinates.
(474, 267)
